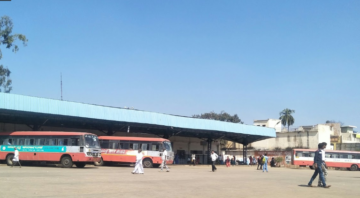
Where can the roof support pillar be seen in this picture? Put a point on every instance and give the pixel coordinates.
(209, 141)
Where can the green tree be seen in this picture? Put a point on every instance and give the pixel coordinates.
(8, 39)
(222, 116)
(286, 117)
(5, 81)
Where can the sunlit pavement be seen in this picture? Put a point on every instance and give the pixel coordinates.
(181, 181)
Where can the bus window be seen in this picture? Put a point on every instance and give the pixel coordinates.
(74, 141)
(334, 155)
(60, 142)
(144, 146)
(8, 141)
(104, 144)
(155, 147)
(66, 142)
(357, 156)
(343, 156)
(50, 141)
(167, 146)
(312, 154)
(40, 141)
(29, 141)
(299, 154)
(113, 144)
(124, 145)
(134, 146)
(21, 141)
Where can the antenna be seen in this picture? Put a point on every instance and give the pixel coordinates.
(61, 85)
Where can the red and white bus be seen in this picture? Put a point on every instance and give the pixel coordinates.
(124, 150)
(333, 158)
(67, 148)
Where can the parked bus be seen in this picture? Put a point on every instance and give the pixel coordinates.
(333, 158)
(124, 150)
(67, 148)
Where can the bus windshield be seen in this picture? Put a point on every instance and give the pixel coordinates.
(167, 146)
(91, 141)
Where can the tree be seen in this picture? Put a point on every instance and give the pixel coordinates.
(333, 121)
(286, 117)
(222, 116)
(5, 81)
(8, 39)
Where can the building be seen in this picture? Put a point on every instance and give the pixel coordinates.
(270, 123)
(301, 137)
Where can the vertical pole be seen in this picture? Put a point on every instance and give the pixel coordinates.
(61, 85)
(209, 149)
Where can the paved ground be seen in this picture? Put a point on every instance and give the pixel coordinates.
(181, 181)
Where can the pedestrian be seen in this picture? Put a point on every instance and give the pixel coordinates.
(234, 160)
(139, 169)
(319, 159)
(324, 169)
(227, 161)
(251, 160)
(272, 162)
(193, 156)
(16, 157)
(164, 158)
(259, 163)
(265, 163)
(220, 159)
(213, 156)
(254, 160)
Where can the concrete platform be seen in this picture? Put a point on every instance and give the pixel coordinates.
(181, 181)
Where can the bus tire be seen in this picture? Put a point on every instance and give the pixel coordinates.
(80, 164)
(354, 167)
(9, 158)
(66, 162)
(156, 165)
(147, 163)
(99, 163)
(311, 167)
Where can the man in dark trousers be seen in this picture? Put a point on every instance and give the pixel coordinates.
(259, 163)
(319, 159)
(213, 157)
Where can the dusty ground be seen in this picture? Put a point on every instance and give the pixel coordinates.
(181, 181)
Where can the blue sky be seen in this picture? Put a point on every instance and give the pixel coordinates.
(252, 58)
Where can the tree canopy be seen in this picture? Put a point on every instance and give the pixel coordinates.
(8, 39)
(286, 117)
(222, 116)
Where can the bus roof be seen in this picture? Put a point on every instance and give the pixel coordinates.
(57, 133)
(328, 151)
(132, 138)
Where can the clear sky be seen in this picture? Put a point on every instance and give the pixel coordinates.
(252, 58)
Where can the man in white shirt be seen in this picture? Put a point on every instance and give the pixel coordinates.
(213, 157)
(323, 165)
(193, 157)
(139, 169)
(164, 157)
(15, 159)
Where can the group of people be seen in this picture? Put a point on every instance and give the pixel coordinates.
(139, 169)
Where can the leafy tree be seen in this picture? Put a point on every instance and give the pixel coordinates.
(286, 117)
(8, 39)
(222, 116)
(333, 121)
(5, 81)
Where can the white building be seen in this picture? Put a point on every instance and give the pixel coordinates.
(302, 137)
(271, 123)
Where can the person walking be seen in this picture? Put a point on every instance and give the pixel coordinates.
(227, 161)
(213, 157)
(164, 158)
(254, 160)
(139, 169)
(265, 163)
(251, 160)
(15, 159)
(259, 163)
(193, 159)
(319, 159)
(324, 169)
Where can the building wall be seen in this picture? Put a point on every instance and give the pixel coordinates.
(335, 127)
(271, 123)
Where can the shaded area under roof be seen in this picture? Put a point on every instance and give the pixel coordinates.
(36, 111)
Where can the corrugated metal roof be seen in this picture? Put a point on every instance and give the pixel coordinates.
(66, 108)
